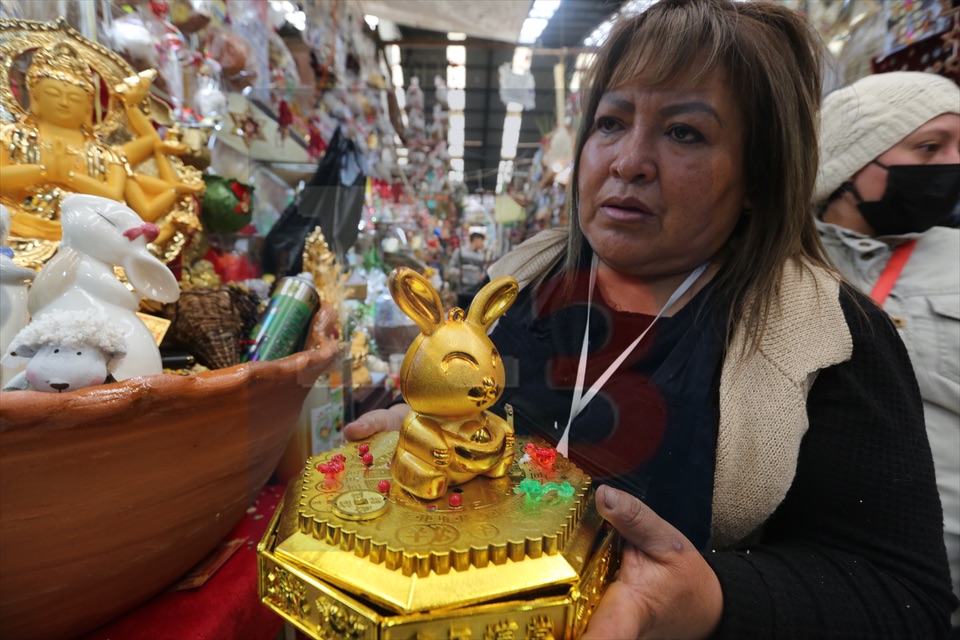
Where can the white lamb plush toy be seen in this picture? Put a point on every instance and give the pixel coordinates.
(65, 351)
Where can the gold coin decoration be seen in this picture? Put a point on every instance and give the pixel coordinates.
(360, 505)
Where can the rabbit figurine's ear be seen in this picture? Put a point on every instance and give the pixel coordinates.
(417, 298)
(493, 301)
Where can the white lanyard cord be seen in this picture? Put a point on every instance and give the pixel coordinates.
(581, 399)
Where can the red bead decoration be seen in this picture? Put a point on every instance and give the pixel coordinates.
(339, 458)
(364, 449)
(455, 500)
(367, 459)
(383, 486)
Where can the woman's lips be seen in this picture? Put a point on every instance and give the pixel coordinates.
(625, 213)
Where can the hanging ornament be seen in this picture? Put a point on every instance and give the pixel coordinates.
(316, 145)
(247, 127)
(159, 9)
(284, 120)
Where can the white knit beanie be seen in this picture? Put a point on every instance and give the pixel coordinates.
(861, 121)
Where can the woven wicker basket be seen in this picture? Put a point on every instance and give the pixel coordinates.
(211, 324)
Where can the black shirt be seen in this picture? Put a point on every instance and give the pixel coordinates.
(651, 430)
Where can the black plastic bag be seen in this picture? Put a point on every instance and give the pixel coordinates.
(332, 198)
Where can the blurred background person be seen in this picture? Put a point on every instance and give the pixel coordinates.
(889, 181)
(468, 266)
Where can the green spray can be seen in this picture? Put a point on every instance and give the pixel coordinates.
(284, 325)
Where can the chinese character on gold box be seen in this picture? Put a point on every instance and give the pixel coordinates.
(521, 556)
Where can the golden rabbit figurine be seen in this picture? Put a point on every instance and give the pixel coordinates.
(450, 375)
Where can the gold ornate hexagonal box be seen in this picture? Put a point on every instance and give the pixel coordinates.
(521, 556)
(452, 528)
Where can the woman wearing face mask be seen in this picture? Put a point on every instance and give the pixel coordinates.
(890, 172)
(752, 421)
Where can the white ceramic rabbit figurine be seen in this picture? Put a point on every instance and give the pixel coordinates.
(14, 281)
(99, 234)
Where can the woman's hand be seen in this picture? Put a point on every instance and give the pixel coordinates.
(376, 421)
(664, 589)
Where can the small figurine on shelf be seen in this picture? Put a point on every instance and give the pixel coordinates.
(98, 235)
(450, 375)
(65, 351)
(209, 99)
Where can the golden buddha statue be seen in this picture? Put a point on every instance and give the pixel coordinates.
(55, 147)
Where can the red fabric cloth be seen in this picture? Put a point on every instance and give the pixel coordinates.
(226, 606)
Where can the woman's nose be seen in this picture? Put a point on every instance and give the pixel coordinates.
(634, 160)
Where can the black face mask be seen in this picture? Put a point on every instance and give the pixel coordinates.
(917, 197)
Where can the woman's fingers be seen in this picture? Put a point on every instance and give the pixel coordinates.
(664, 589)
(638, 524)
(376, 421)
(618, 615)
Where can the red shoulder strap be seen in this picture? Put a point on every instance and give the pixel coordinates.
(891, 272)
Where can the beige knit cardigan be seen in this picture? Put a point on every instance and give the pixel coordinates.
(763, 394)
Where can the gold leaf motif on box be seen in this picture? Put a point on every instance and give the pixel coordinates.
(287, 593)
(337, 620)
(540, 628)
(506, 630)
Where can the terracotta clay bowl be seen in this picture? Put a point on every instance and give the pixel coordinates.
(109, 494)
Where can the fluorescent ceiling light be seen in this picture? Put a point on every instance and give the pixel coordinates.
(388, 31)
(456, 99)
(597, 37)
(544, 8)
(456, 54)
(537, 19)
(632, 7)
(456, 77)
(531, 30)
(372, 21)
(456, 36)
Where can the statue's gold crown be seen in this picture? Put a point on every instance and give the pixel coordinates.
(61, 62)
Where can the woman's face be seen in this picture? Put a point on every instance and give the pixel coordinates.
(60, 103)
(661, 176)
(935, 142)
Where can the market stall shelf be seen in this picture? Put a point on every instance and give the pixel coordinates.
(110, 493)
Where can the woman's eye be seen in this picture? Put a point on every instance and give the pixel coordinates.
(605, 124)
(930, 147)
(685, 134)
